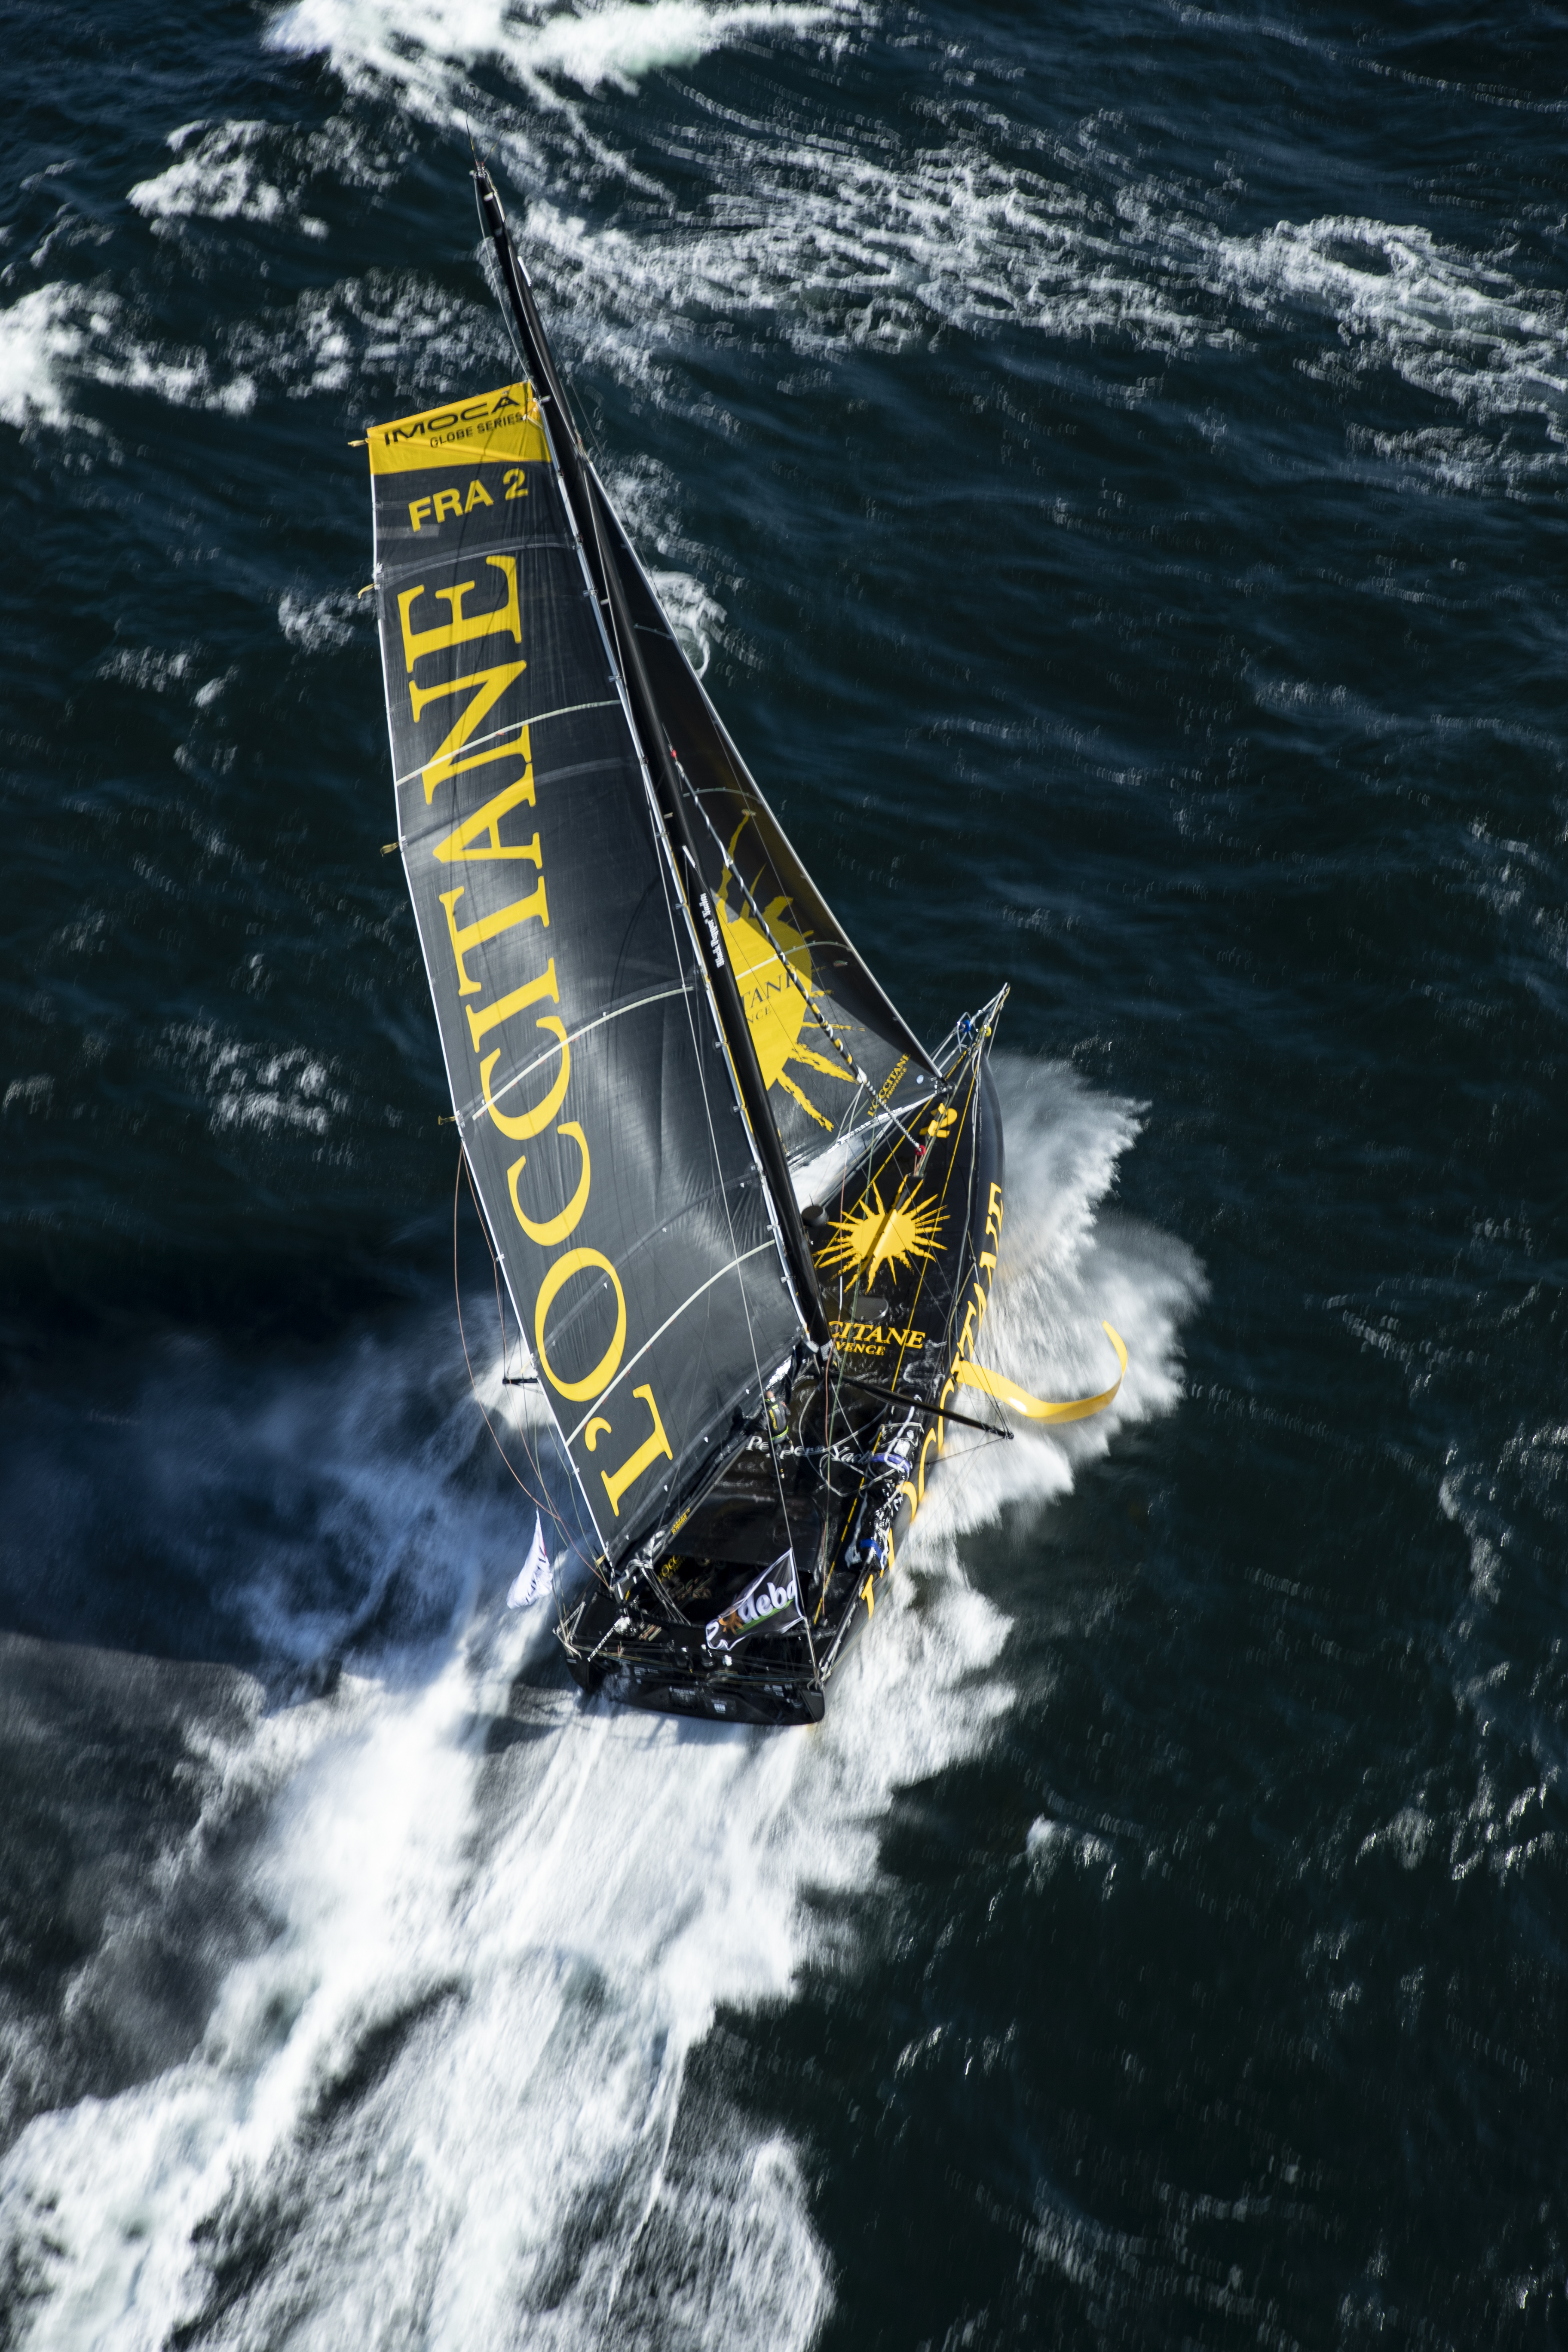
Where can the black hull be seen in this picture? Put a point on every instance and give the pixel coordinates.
(905, 1253)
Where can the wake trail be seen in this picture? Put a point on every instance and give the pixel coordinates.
(442, 2096)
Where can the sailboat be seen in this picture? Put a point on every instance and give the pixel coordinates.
(748, 1222)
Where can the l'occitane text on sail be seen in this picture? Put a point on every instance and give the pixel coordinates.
(477, 839)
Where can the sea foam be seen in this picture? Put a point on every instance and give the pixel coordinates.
(444, 2092)
(619, 41)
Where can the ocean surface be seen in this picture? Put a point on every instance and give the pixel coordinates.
(1112, 461)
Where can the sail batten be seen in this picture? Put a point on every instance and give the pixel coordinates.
(478, 1110)
(501, 734)
(669, 1322)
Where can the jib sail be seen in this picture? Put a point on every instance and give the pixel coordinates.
(833, 1048)
(588, 1070)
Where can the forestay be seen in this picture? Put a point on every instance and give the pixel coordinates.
(591, 1082)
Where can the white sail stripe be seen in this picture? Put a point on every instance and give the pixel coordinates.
(513, 727)
(734, 1265)
(632, 1004)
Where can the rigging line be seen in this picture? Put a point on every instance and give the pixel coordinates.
(495, 1277)
(750, 793)
(897, 1122)
(845, 1133)
(529, 1456)
(668, 875)
(781, 1232)
(501, 1321)
(751, 1088)
(708, 1111)
(665, 863)
(859, 1143)
(793, 977)
(457, 1298)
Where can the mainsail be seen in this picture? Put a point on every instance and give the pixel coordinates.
(653, 1026)
(594, 1086)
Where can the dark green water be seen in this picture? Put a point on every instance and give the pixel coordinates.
(1113, 464)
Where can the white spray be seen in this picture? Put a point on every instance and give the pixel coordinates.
(440, 2101)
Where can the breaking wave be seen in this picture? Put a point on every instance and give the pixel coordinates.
(821, 235)
(441, 2089)
(39, 338)
(423, 51)
(267, 1087)
(59, 336)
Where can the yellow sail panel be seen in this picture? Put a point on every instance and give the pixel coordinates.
(831, 1049)
(505, 424)
(772, 964)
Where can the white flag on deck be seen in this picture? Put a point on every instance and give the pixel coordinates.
(533, 1578)
(770, 1603)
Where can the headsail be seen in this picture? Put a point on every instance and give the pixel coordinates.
(585, 499)
(832, 1047)
(592, 1086)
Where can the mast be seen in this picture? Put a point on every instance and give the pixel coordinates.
(583, 492)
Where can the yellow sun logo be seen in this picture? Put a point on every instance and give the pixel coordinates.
(777, 1001)
(873, 1235)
